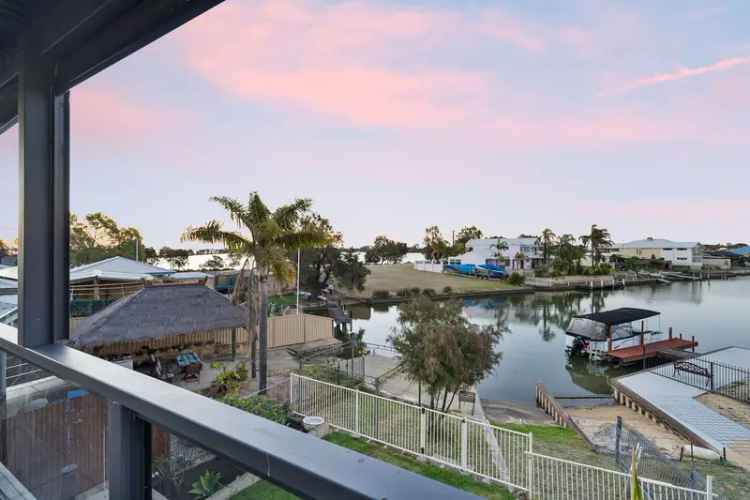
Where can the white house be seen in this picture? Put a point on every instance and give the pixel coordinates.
(519, 254)
(676, 253)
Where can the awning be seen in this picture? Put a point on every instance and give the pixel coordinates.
(619, 316)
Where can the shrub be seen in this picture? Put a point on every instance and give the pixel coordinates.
(415, 290)
(404, 292)
(516, 279)
(447, 289)
(429, 292)
(228, 381)
(207, 484)
(381, 294)
(261, 406)
(241, 370)
(603, 269)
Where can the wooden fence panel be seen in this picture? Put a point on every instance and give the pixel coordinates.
(298, 329)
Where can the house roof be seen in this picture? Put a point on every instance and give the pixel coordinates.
(119, 265)
(159, 311)
(658, 243)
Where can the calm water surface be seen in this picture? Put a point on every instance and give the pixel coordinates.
(533, 346)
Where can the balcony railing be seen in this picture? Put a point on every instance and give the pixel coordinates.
(138, 405)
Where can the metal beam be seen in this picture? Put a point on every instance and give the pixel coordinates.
(131, 31)
(300, 463)
(8, 105)
(128, 454)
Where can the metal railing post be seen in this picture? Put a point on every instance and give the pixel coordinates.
(464, 444)
(711, 378)
(709, 487)
(356, 412)
(530, 467)
(423, 431)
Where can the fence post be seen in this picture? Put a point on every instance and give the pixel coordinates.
(356, 412)
(291, 391)
(464, 444)
(423, 431)
(709, 487)
(617, 439)
(530, 467)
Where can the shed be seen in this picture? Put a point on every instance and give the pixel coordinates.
(164, 318)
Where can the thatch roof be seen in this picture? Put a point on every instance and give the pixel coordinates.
(156, 312)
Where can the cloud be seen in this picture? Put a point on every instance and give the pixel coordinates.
(683, 73)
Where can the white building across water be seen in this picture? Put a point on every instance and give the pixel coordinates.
(676, 253)
(517, 254)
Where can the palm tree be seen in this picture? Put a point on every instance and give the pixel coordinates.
(597, 239)
(500, 247)
(264, 239)
(547, 242)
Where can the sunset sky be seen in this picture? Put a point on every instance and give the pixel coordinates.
(393, 116)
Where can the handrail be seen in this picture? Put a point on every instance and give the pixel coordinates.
(298, 462)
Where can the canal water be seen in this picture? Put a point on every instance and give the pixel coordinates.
(716, 312)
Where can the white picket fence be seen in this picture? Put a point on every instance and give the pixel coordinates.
(485, 450)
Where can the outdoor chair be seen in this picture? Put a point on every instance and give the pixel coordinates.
(192, 372)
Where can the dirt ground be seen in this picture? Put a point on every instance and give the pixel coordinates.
(730, 408)
(394, 277)
(595, 421)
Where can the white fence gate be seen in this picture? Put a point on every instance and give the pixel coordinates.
(485, 450)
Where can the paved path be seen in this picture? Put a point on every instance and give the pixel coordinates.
(678, 401)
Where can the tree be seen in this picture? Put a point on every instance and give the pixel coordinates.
(3, 249)
(442, 350)
(547, 241)
(466, 234)
(215, 263)
(386, 250)
(350, 272)
(99, 237)
(597, 240)
(268, 237)
(500, 248)
(150, 255)
(177, 257)
(569, 254)
(435, 246)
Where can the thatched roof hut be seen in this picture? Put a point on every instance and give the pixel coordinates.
(159, 314)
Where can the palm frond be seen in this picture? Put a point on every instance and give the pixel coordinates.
(288, 216)
(213, 232)
(234, 207)
(304, 239)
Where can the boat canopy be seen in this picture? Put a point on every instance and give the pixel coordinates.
(620, 316)
(597, 325)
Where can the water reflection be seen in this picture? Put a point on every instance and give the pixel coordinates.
(534, 330)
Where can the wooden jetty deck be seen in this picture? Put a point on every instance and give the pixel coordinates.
(649, 350)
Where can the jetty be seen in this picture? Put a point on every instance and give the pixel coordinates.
(673, 393)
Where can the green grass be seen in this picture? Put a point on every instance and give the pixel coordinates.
(263, 490)
(289, 299)
(444, 475)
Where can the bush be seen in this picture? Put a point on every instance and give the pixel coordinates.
(415, 290)
(603, 269)
(447, 290)
(429, 292)
(516, 279)
(381, 294)
(241, 371)
(228, 381)
(261, 406)
(404, 292)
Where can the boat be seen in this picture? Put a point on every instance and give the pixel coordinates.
(610, 336)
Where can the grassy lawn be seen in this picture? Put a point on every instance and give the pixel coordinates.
(444, 475)
(263, 490)
(288, 299)
(397, 276)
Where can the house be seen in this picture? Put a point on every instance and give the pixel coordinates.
(674, 253)
(517, 254)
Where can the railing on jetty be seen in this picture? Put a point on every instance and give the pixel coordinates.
(710, 375)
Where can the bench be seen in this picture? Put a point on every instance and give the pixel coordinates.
(692, 368)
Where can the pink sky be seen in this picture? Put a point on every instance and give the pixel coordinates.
(395, 116)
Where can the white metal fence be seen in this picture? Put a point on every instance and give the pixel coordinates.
(554, 478)
(485, 450)
(495, 453)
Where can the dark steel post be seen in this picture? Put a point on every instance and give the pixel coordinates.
(129, 454)
(35, 228)
(61, 220)
(618, 434)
